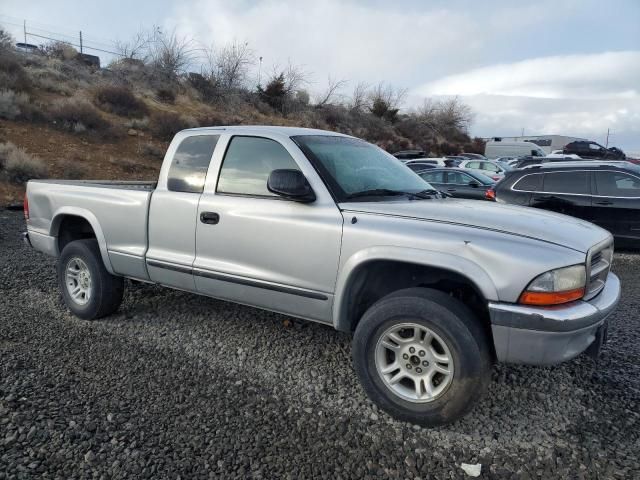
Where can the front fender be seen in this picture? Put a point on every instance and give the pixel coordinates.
(62, 212)
(446, 261)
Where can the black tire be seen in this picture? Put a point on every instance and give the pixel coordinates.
(106, 289)
(455, 324)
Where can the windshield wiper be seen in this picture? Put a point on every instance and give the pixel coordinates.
(386, 192)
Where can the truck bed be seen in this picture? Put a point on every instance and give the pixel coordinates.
(117, 211)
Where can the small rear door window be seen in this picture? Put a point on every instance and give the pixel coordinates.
(190, 163)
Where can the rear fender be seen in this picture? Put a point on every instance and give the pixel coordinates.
(95, 225)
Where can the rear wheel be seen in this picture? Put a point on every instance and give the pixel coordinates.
(422, 356)
(88, 289)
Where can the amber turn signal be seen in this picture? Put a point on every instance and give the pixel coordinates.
(551, 298)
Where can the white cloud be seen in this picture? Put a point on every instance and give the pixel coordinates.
(366, 41)
(598, 75)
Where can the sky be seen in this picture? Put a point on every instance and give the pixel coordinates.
(568, 67)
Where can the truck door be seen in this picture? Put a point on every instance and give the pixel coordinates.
(174, 209)
(260, 249)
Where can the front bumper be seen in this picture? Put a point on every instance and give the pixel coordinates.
(550, 335)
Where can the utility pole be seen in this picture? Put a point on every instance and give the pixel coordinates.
(260, 73)
(24, 27)
(80, 41)
(607, 144)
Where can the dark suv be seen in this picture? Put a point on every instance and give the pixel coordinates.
(605, 193)
(586, 149)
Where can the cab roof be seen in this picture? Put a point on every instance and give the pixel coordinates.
(264, 129)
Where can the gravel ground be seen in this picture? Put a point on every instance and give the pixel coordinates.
(181, 386)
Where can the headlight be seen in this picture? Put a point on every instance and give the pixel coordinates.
(555, 287)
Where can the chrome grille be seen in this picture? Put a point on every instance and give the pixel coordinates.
(599, 261)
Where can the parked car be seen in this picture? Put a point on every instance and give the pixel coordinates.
(588, 149)
(499, 148)
(605, 193)
(436, 162)
(420, 166)
(329, 228)
(473, 156)
(491, 168)
(459, 183)
(410, 154)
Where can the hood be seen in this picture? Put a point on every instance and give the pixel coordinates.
(522, 221)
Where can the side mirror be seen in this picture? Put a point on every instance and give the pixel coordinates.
(474, 184)
(291, 184)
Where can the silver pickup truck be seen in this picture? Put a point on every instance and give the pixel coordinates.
(329, 228)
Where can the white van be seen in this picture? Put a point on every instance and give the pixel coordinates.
(497, 148)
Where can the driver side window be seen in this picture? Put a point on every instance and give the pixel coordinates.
(248, 163)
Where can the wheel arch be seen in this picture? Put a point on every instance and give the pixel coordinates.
(66, 216)
(369, 275)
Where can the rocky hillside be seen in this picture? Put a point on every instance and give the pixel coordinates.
(62, 118)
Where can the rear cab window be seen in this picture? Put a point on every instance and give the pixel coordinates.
(190, 163)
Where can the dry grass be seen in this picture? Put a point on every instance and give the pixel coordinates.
(17, 166)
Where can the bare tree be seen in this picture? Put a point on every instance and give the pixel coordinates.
(232, 64)
(359, 97)
(170, 53)
(391, 96)
(136, 48)
(331, 92)
(453, 115)
(295, 77)
(385, 101)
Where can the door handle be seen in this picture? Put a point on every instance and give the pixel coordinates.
(604, 202)
(451, 189)
(211, 218)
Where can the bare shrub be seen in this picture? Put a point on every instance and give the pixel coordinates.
(77, 115)
(166, 124)
(60, 50)
(10, 103)
(6, 40)
(74, 171)
(166, 95)
(138, 123)
(18, 166)
(12, 75)
(120, 100)
(151, 150)
(207, 88)
(18, 106)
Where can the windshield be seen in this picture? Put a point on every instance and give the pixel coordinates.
(353, 168)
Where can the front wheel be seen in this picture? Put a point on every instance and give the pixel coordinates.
(422, 356)
(88, 289)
